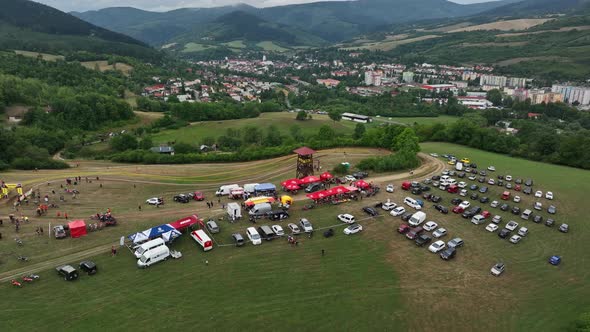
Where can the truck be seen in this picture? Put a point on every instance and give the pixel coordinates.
(226, 189)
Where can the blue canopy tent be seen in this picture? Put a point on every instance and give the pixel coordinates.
(165, 231)
(267, 189)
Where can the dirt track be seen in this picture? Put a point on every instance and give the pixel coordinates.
(429, 167)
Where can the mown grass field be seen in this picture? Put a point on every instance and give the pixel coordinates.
(445, 119)
(376, 280)
(283, 121)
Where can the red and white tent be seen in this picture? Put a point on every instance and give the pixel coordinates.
(183, 223)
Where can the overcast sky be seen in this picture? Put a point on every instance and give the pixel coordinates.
(163, 5)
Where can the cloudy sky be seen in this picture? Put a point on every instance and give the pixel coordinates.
(163, 5)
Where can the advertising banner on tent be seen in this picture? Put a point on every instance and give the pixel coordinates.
(165, 231)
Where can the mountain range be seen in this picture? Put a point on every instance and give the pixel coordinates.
(330, 21)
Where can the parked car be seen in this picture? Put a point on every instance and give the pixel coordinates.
(505, 207)
(516, 210)
(448, 253)
(294, 228)
(564, 228)
(508, 185)
(414, 232)
(471, 212)
(464, 205)
(537, 219)
(491, 228)
(68, 272)
(497, 219)
(491, 168)
(515, 239)
(238, 239)
(516, 199)
(494, 204)
(353, 229)
(370, 211)
(346, 218)
(437, 246)
(455, 243)
(483, 189)
(504, 233)
(349, 178)
(498, 269)
(484, 200)
(212, 226)
(306, 225)
(406, 216)
(517, 187)
(523, 231)
(398, 211)
(511, 225)
(528, 182)
(278, 230)
(527, 190)
(550, 222)
(423, 239)
(404, 228)
(88, 267)
(360, 175)
(473, 187)
(538, 194)
(552, 209)
(430, 225)
(436, 199)
(439, 233)
(155, 201)
(441, 208)
(491, 182)
(478, 219)
(538, 206)
(198, 196)
(181, 198)
(463, 193)
(390, 188)
(59, 232)
(462, 185)
(456, 201)
(458, 209)
(555, 260)
(472, 177)
(518, 181)
(549, 195)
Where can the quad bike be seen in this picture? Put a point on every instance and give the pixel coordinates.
(27, 279)
(16, 283)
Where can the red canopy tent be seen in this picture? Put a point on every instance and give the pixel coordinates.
(310, 179)
(77, 228)
(290, 182)
(326, 176)
(183, 223)
(292, 187)
(361, 184)
(340, 190)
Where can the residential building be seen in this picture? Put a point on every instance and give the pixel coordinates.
(492, 80)
(543, 96)
(573, 94)
(408, 77)
(520, 94)
(373, 78)
(516, 82)
(330, 83)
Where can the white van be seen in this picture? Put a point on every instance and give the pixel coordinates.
(148, 246)
(226, 190)
(444, 179)
(409, 201)
(260, 209)
(153, 256)
(253, 236)
(417, 218)
(202, 239)
(249, 187)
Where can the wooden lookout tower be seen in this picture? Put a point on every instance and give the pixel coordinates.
(304, 162)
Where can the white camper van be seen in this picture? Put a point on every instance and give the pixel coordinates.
(459, 166)
(226, 190)
(153, 256)
(148, 246)
(249, 187)
(202, 239)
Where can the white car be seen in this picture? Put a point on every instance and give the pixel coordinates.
(511, 225)
(498, 269)
(497, 219)
(350, 178)
(491, 182)
(462, 184)
(278, 230)
(515, 239)
(464, 205)
(388, 206)
(472, 177)
(154, 201)
(516, 199)
(390, 188)
(439, 233)
(306, 225)
(353, 229)
(435, 155)
(445, 172)
(491, 168)
(492, 228)
(538, 194)
(398, 211)
(346, 218)
(494, 204)
(253, 236)
(294, 228)
(549, 195)
(437, 246)
(523, 231)
(463, 192)
(538, 206)
(429, 226)
(508, 178)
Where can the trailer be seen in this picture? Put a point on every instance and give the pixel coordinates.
(234, 211)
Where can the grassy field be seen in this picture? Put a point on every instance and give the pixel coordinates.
(104, 65)
(44, 56)
(270, 46)
(194, 47)
(235, 44)
(446, 119)
(377, 276)
(283, 121)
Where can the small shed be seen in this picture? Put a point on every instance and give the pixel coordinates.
(234, 211)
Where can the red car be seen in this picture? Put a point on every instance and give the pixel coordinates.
(486, 214)
(506, 195)
(517, 187)
(458, 209)
(406, 185)
(453, 189)
(198, 196)
(403, 228)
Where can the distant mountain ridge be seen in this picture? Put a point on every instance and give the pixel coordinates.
(330, 20)
(539, 7)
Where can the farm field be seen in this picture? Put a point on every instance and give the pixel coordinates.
(446, 119)
(104, 65)
(282, 120)
(377, 275)
(271, 46)
(44, 56)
